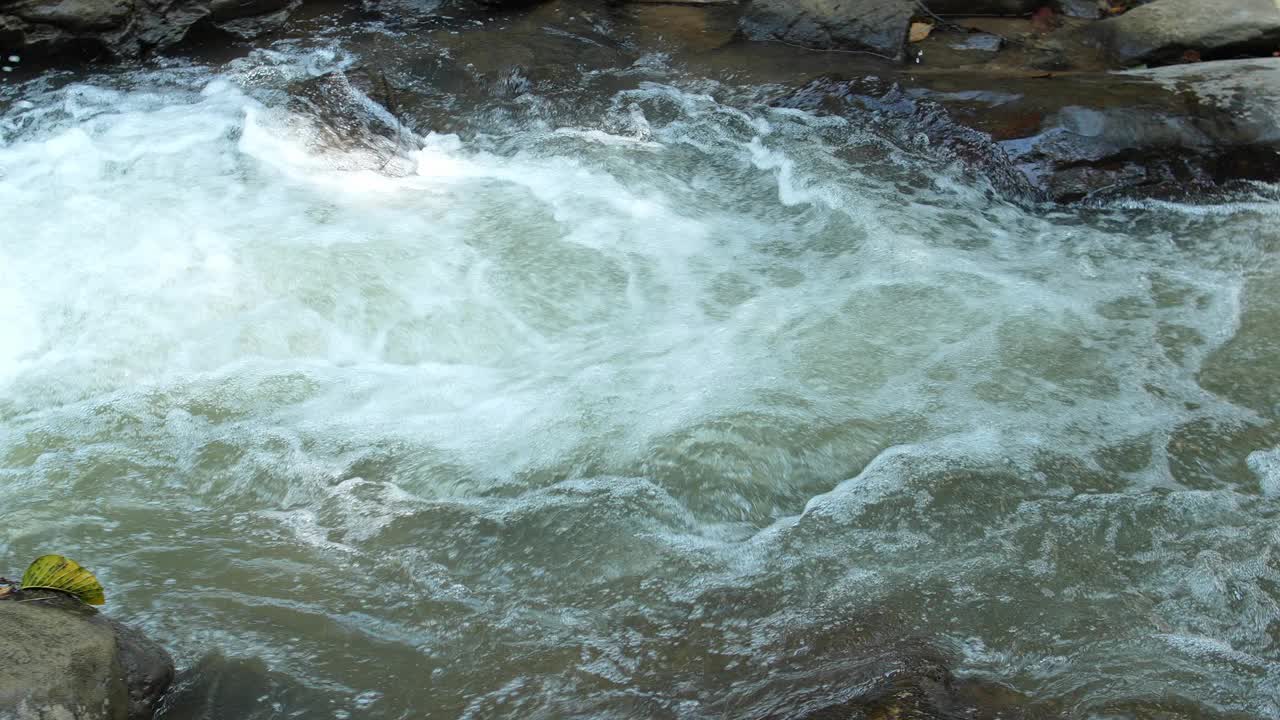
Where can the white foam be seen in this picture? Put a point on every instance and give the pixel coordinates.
(1266, 465)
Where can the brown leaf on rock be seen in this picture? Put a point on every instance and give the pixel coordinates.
(919, 31)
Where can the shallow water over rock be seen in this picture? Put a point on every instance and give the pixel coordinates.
(634, 397)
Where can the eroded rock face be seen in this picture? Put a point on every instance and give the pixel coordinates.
(877, 26)
(65, 661)
(1162, 30)
(1203, 127)
(127, 28)
(1179, 132)
(911, 121)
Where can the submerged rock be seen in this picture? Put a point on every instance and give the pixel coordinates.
(353, 121)
(1163, 30)
(876, 26)
(861, 668)
(65, 660)
(913, 122)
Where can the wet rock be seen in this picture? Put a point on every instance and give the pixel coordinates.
(1180, 132)
(75, 15)
(354, 120)
(507, 4)
(874, 26)
(984, 7)
(1088, 9)
(1162, 31)
(1013, 8)
(911, 121)
(1049, 53)
(979, 42)
(128, 28)
(65, 660)
(221, 688)
(236, 9)
(1191, 130)
(857, 668)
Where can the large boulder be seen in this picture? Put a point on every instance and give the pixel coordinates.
(1163, 30)
(874, 26)
(63, 660)
(127, 28)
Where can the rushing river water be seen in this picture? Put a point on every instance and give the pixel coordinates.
(648, 409)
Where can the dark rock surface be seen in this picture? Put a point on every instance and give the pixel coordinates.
(1163, 30)
(354, 115)
(984, 7)
(507, 4)
(92, 29)
(65, 660)
(1090, 9)
(1178, 132)
(1191, 131)
(904, 119)
(876, 26)
(1016, 8)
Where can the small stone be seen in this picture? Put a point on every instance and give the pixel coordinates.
(6, 68)
(982, 42)
(14, 59)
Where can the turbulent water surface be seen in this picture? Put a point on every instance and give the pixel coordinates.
(640, 407)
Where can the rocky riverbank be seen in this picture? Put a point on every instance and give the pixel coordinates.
(1062, 101)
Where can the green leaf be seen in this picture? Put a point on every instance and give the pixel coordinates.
(54, 572)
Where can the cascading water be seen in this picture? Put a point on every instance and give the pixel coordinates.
(626, 414)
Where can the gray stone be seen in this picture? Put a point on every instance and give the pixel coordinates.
(876, 26)
(1244, 95)
(1219, 124)
(1164, 29)
(979, 42)
(65, 661)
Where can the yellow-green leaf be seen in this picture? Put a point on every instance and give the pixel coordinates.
(54, 572)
